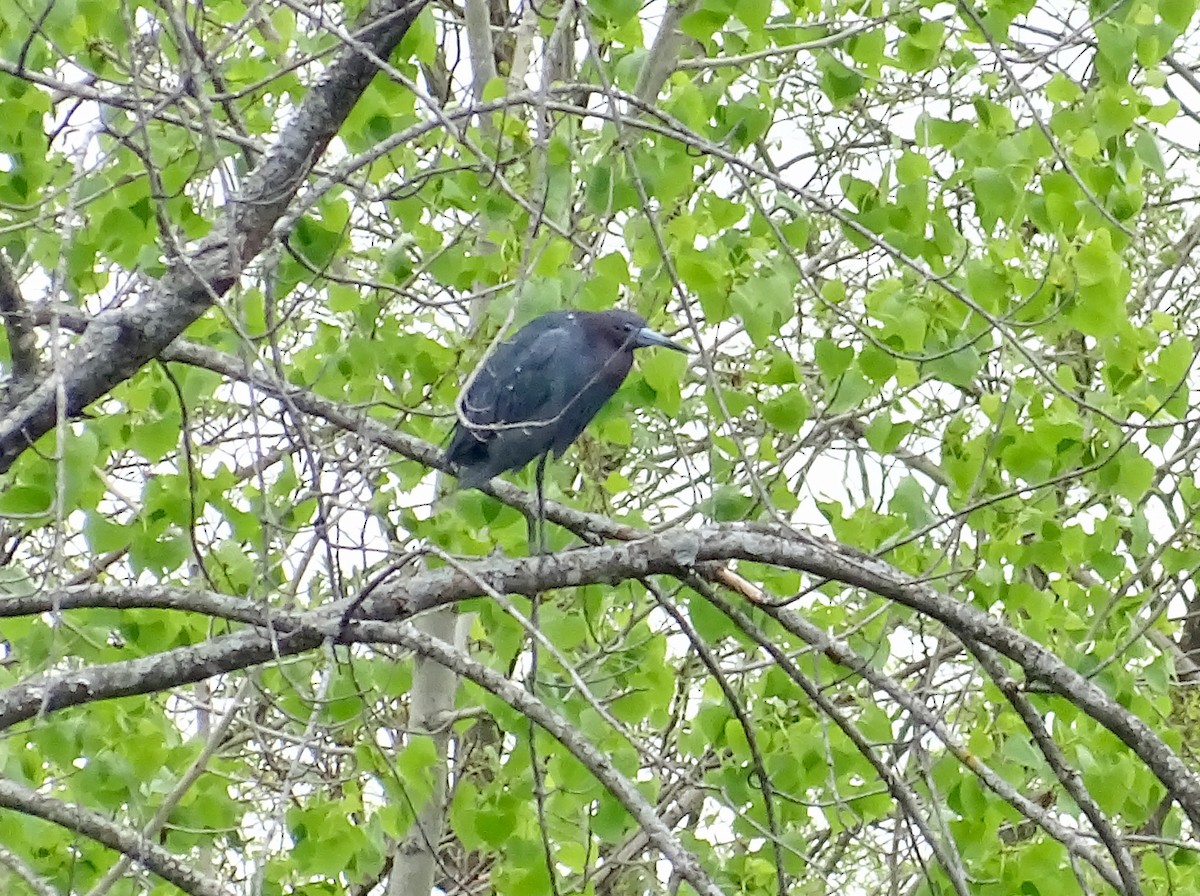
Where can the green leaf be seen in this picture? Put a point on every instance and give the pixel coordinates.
(157, 553)
(1177, 13)
(413, 764)
(728, 503)
(878, 365)
(918, 50)
(155, 438)
(1135, 474)
(839, 82)
(1062, 197)
(104, 535)
(1103, 285)
(1146, 148)
(494, 89)
(762, 302)
(706, 20)
(940, 132)
(869, 48)
(1174, 361)
(912, 167)
(832, 359)
(25, 501)
(959, 368)
(850, 391)
(1062, 89)
(753, 13)
(911, 502)
(787, 412)
(997, 195)
(1117, 43)
(664, 371)
(884, 435)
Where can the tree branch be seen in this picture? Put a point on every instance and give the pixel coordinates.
(663, 55)
(682, 860)
(149, 855)
(672, 553)
(15, 864)
(842, 654)
(19, 329)
(117, 343)
(479, 42)
(586, 525)
(145, 597)
(1069, 777)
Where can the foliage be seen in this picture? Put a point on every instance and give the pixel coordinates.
(937, 260)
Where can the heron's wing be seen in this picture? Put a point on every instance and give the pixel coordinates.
(532, 385)
(523, 379)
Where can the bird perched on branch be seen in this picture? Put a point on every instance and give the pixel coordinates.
(536, 392)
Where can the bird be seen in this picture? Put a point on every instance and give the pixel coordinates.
(537, 391)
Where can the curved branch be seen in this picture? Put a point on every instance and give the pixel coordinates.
(842, 654)
(43, 694)
(124, 840)
(145, 597)
(670, 553)
(1068, 776)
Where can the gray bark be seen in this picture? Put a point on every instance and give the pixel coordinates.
(118, 342)
(676, 553)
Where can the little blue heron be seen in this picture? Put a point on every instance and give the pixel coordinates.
(536, 392)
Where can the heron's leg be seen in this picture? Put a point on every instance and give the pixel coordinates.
(537, 537)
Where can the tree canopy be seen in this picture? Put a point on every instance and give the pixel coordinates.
(888, 589)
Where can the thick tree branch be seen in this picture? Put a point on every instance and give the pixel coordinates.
(433, 689)
(43, 694)
(117, 343)
(663, 56)
(673, 553)
(119, 837)
(138, 597)
(19, 329)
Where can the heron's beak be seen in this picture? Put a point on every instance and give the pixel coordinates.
(646, 337)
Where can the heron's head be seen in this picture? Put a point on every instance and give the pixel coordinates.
(628, 329)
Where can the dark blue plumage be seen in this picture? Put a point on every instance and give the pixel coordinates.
(536, 392)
